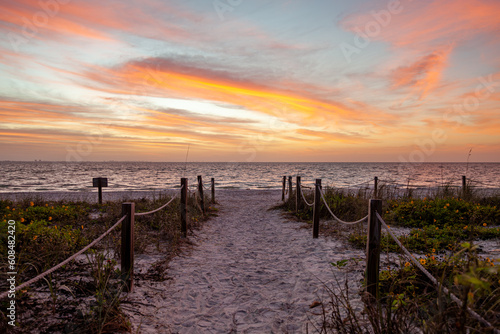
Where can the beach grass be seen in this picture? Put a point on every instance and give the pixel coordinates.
(85, 295)
(446, 226)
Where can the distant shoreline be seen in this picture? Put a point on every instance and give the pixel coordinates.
(91, 197)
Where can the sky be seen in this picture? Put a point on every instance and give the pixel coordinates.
(240, 80)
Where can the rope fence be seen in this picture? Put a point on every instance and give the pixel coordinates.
(127, 250)
(375, 222)
(51, 270)
(156, 210)
(335, 217)
(305, 200)
(432, 278)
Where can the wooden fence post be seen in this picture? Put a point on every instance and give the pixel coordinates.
(375, 187)
(127, 247)
(464, 185)
(298, 195)
(289, 188)
(317, 203)
(183, 206)
(373, 248)
(283, 191)
(212, 183)
(200, 191)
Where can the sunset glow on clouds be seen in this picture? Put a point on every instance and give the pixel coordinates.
(250, 80)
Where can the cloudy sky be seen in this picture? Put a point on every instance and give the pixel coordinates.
(241, 80)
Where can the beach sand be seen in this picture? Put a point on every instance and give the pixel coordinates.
(251, 270)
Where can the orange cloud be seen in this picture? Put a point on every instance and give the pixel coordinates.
(166, 78)
(332, 136)
(421, 76)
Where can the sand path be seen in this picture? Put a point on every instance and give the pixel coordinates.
(251, 271)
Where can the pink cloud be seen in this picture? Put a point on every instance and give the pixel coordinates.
(420, 24)
(423, 75)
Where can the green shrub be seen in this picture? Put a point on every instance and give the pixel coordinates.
(441, 212)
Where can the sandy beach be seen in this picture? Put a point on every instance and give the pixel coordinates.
(250, 271)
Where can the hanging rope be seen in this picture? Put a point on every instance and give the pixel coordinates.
(161, 207)
(432, 278)
(335, 217)
(51, 270)
(304, 198)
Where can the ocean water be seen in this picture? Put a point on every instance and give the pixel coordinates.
(124, 176)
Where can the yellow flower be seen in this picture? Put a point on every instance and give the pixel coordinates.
(484, 224)
(46, 205)
(437, 228)
(447, 204)
(422, 261)
(465, 227)
(50, 218)
(31, 203)
(435, 220)
(8, 208)
(456, 211)
(434, 250)
(55, 227)
(34, 238)
(82, 227)
(22, 220)
(407, 264)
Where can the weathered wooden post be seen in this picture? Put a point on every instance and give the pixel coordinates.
(373, 248)
(200, 192)
(289, 188)
(317, 202)
(212, 183)
(464, 185)
(127, 247)
(283, 191)
(183, 206)
(298, 191)
(375, 187)
(100, 182)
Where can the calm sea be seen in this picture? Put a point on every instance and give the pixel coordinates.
(77, 176)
